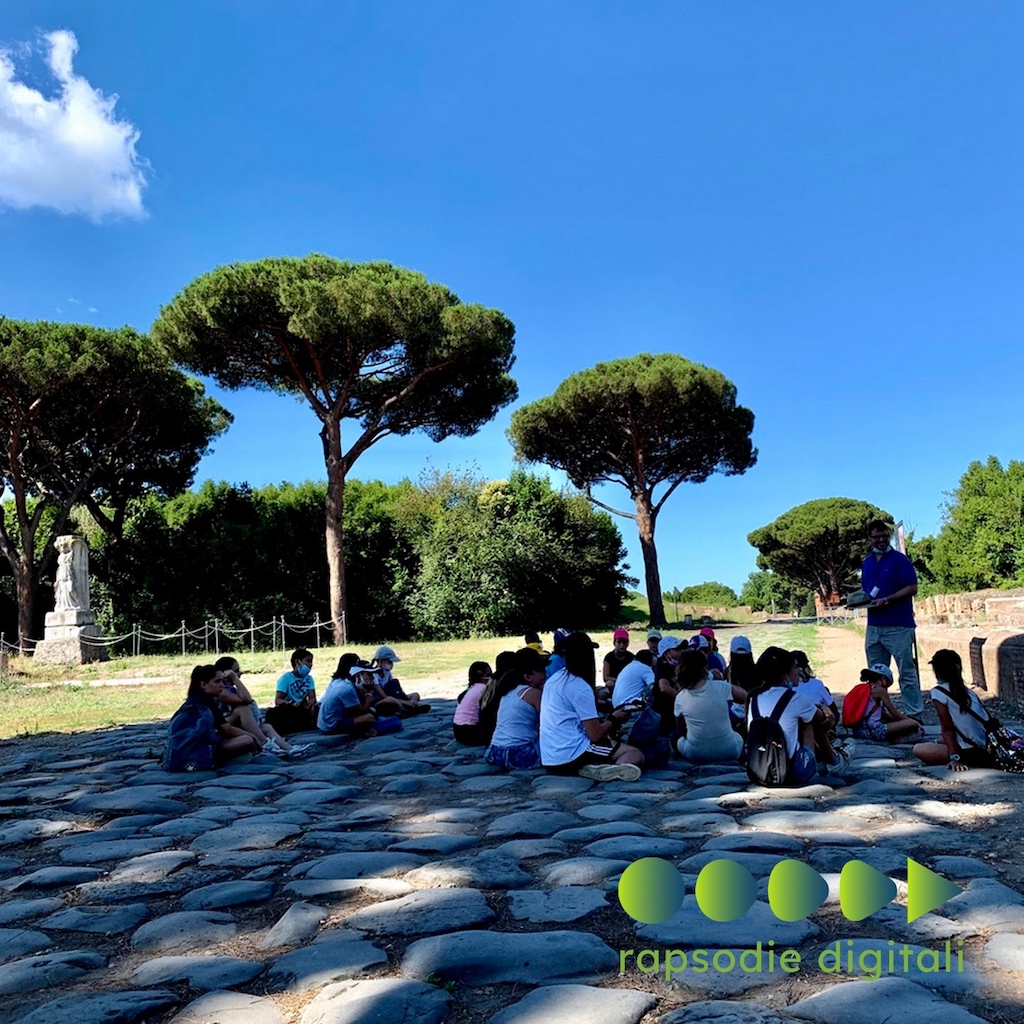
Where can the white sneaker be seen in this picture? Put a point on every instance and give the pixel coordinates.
(610, 772)
(301, 750)
(272, 747)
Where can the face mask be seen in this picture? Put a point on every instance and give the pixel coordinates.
(302, 671)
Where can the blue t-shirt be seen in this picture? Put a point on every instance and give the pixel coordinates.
(891, 572)
(339, 702)
(555, 664)
(295, 687)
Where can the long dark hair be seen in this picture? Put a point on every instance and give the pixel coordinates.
(478, 669)
(201, 674)
(800, 658)
(579, 658)
(345, 663)
(692, 669)
(742, 671)
(773, 666)
(949, 669)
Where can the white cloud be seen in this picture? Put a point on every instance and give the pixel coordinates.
(69, 152)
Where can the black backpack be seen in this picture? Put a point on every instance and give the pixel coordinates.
(191, 739)
(767, 757)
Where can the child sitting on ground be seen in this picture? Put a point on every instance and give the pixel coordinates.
(388, 692)
(466, 721)
(516, 739)
(347, 706)
(295, 707)
(206, 687)
(963, 719)
(869, 711)
(702, 712)
(241, 710)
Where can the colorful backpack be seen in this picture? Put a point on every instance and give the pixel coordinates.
(1003, 745)
(855, 705)
(191, 739)
(766, 755)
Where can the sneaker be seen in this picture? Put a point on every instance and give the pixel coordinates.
(419, 709)
(272, 747)
(300, 750)
(610, 772)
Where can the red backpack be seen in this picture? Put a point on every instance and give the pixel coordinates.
(855, 704)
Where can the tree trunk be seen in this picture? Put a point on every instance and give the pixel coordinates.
(645, 517)
(335, 508)
(25, 590)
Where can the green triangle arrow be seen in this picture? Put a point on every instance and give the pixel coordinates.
(863, 890)
(926, 890)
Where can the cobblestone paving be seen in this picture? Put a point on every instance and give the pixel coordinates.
(402, 879)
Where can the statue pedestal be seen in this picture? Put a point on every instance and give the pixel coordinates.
(66, 639)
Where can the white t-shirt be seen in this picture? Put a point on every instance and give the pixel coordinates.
(631, 683)
(340, 696)
(706, 710)
(566, 703)
(800, 709)
(816, 690)
(964, 720)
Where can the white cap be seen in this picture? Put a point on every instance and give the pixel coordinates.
(740, 645)
(668, 643)
(881, 670)
(358, 670)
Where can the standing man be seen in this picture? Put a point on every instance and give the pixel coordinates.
(888, 577)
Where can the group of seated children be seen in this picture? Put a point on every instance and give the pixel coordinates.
(550, 711)
(364, 698)
(234, 724)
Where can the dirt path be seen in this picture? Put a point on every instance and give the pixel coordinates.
(840, 657)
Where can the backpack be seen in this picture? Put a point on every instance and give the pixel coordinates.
(645, 735)
(191, 739)
(766, 755)
(290, 718)
(645, 730)
(1004, 746)
(855, 705)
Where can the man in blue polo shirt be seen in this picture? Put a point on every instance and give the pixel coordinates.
(888, 577)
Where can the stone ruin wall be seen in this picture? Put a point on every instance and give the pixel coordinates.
(986, 628)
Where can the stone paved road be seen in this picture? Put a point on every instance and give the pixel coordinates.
(401, 879)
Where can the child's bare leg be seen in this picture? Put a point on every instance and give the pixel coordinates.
(902, 727)
(243, 718)
(235, 745)
(823, 743)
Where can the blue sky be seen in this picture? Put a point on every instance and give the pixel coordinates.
(823, 201)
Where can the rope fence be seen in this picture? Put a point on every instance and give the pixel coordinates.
(211, 636)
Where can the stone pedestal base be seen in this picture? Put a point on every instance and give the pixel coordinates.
(67, 637)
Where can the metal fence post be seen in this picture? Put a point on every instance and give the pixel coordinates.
(206, 636)
(216, 636)
(183, 631)
(252, 636)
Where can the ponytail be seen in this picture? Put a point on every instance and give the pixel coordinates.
(949, 669)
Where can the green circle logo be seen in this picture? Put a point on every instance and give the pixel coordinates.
(651, 890)
(725, 890)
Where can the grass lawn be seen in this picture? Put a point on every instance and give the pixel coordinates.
(36, 698)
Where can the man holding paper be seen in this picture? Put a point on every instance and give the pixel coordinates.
(889, 579)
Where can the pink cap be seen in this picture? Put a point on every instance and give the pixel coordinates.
(620, 634)
(708, 632)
